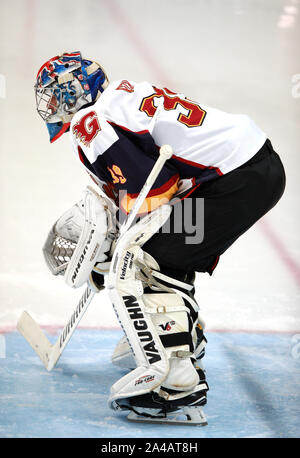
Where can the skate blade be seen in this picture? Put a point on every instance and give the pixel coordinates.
(193, 420)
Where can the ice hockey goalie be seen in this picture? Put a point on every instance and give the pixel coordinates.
(116, 130)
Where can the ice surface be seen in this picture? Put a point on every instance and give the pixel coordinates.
(254, 390)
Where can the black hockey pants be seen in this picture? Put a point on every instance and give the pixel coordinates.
(232, 204)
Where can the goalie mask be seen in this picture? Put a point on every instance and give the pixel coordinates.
(65, 84)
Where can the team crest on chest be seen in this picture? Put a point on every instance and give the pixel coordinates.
(87, 128)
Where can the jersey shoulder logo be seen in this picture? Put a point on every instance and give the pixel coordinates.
(87, 128)
(125, 86)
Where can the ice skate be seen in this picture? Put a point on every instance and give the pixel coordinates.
(167, 407)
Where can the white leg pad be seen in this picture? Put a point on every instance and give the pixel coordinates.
(159, 327)
(126, 294)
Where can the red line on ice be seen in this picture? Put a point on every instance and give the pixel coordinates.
(281, 249)
(55, 329)
(130, 31)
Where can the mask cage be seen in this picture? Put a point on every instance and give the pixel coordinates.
(47, 101)
(58, 99)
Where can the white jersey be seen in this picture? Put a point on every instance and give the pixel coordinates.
(121, 132)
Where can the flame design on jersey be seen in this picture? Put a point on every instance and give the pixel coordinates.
(117, 174)
(87, 128)
(125, 86)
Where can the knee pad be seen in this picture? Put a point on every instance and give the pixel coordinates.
(173, 317)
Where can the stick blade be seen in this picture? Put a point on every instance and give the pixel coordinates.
(31, 331)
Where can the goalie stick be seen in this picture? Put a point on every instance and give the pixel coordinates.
(165, 153)
(49, 353)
